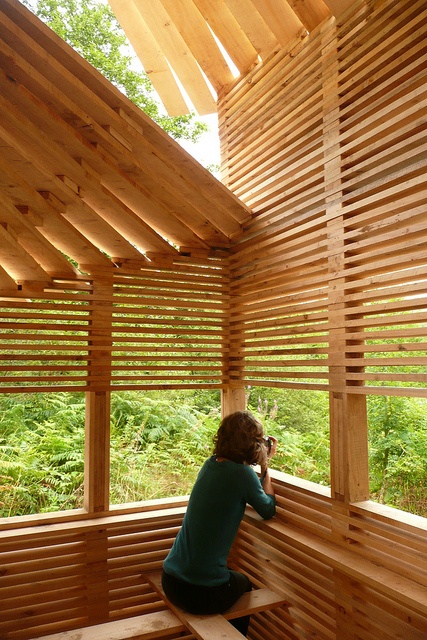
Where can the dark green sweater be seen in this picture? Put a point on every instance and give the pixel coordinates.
(215, 510)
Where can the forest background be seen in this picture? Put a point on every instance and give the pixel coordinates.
(160, 439)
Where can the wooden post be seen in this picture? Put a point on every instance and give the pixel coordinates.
(232, 399)
(348, 421)
(97, 440)
(97, 451)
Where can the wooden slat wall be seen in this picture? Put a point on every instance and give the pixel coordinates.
(44, 340)
(150, 328)
(169, 325)
(72, 575)
(368, 583)
(326, 142)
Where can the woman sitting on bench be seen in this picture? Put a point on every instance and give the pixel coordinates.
(195, 573)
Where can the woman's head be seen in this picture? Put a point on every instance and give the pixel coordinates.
(240, 438)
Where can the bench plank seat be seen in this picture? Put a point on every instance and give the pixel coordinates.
(215, 626)
(147, 626)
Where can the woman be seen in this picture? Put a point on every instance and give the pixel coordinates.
(195, 573)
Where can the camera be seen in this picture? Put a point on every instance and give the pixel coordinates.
(268, 442)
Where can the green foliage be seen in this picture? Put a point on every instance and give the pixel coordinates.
(91, 28)
(298, 410)
(159, 441)
(41, 452)
(160, 452)
(300, 422)
(398, 451)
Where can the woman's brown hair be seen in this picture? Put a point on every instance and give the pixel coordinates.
(240, 438)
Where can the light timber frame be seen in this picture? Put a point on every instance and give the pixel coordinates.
(324, 288)
(328, 281)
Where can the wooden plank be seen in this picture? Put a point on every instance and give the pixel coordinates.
(228, 31)
(178, 54)
(338, 7)
(254, 26)
(380, 578)
(311, 12)
(145, 627)
(109, 199)
(7, 283)
(211, 627)
(21, 266)
(57, 89)
(33, 242)
(152, 58)
(196, 33)
(281, 19)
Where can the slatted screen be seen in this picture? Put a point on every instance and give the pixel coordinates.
(169, 326)
(327, 144)
(74, 575)
(151, 328)
(279, 284)
(382, 111)
(44, 340)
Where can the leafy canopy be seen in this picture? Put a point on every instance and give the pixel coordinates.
(91, 28)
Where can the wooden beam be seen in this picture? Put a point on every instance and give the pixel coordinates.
(34, 243)
(151, 56)
(61, 163)
(97, 434)
(226, 28)
(281, 19)
(311, 12)
(337, 7)
(20, 265)
(253, 26)
(97, 452)
(177, 54)
(196, 33)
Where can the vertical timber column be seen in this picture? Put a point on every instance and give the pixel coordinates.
(97, 435)
(349, 437)
(233, 399)
(233, 396)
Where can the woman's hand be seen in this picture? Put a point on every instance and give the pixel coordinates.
(265, 476)
(270, 453)
(273, 448)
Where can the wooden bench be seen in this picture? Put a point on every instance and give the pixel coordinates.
(173, 620)
(147, 626)
(214, 626)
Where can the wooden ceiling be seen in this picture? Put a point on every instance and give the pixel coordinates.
(86, 175)
(190, 43)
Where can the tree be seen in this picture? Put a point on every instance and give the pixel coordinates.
(398, 451)
(91, 28)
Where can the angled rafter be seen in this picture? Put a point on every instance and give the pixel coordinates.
(68, 175)
(8, 286)
(228, 31)
(151, 56)
(164, 167)
(337, 7)
(30, 239)
(310, 12)
(254, 26)
(281, 19)
(178, 54)
(194, 29)
(17, 262)
(39, 211)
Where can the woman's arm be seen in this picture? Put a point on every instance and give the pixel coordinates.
(267, 485)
